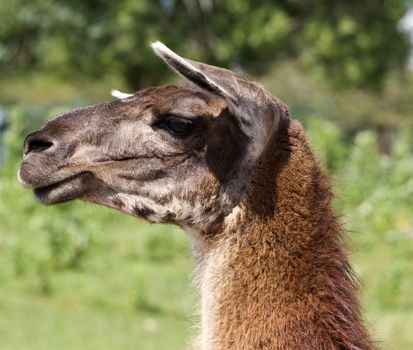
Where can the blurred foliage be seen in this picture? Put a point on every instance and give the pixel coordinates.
(84, 277)
(350, 43)
(353, 109)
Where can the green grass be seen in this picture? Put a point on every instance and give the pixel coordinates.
(121, 296)
(78, 276)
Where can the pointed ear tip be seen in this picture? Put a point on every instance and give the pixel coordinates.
(158, 47)
(119, 94)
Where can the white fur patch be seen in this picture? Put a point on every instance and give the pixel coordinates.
(212, 269)
(231, 220)
(163, 51)
(120, 95)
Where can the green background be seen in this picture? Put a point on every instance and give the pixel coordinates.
(79, 276)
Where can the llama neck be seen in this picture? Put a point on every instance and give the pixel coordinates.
(277, 277)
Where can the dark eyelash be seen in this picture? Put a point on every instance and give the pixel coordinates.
(176, 125)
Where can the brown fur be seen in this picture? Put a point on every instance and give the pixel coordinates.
(285, 282)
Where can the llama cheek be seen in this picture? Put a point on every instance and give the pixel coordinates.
(158, 211)
(138, 206)
(185, 211)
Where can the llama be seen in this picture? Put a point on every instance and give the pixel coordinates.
(222, 158)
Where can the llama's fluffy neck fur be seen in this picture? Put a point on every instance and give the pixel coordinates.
(276, 277)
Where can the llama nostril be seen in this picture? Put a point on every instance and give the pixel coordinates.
(35, 144)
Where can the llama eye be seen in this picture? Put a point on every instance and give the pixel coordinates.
(179, 126)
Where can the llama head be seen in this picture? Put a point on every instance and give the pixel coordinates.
(168, 154)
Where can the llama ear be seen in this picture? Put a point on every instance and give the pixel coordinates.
(254, 106)
(119, 94)
(189, 69)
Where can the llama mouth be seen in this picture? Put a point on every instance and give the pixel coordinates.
(62, 191)
(59, 186)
